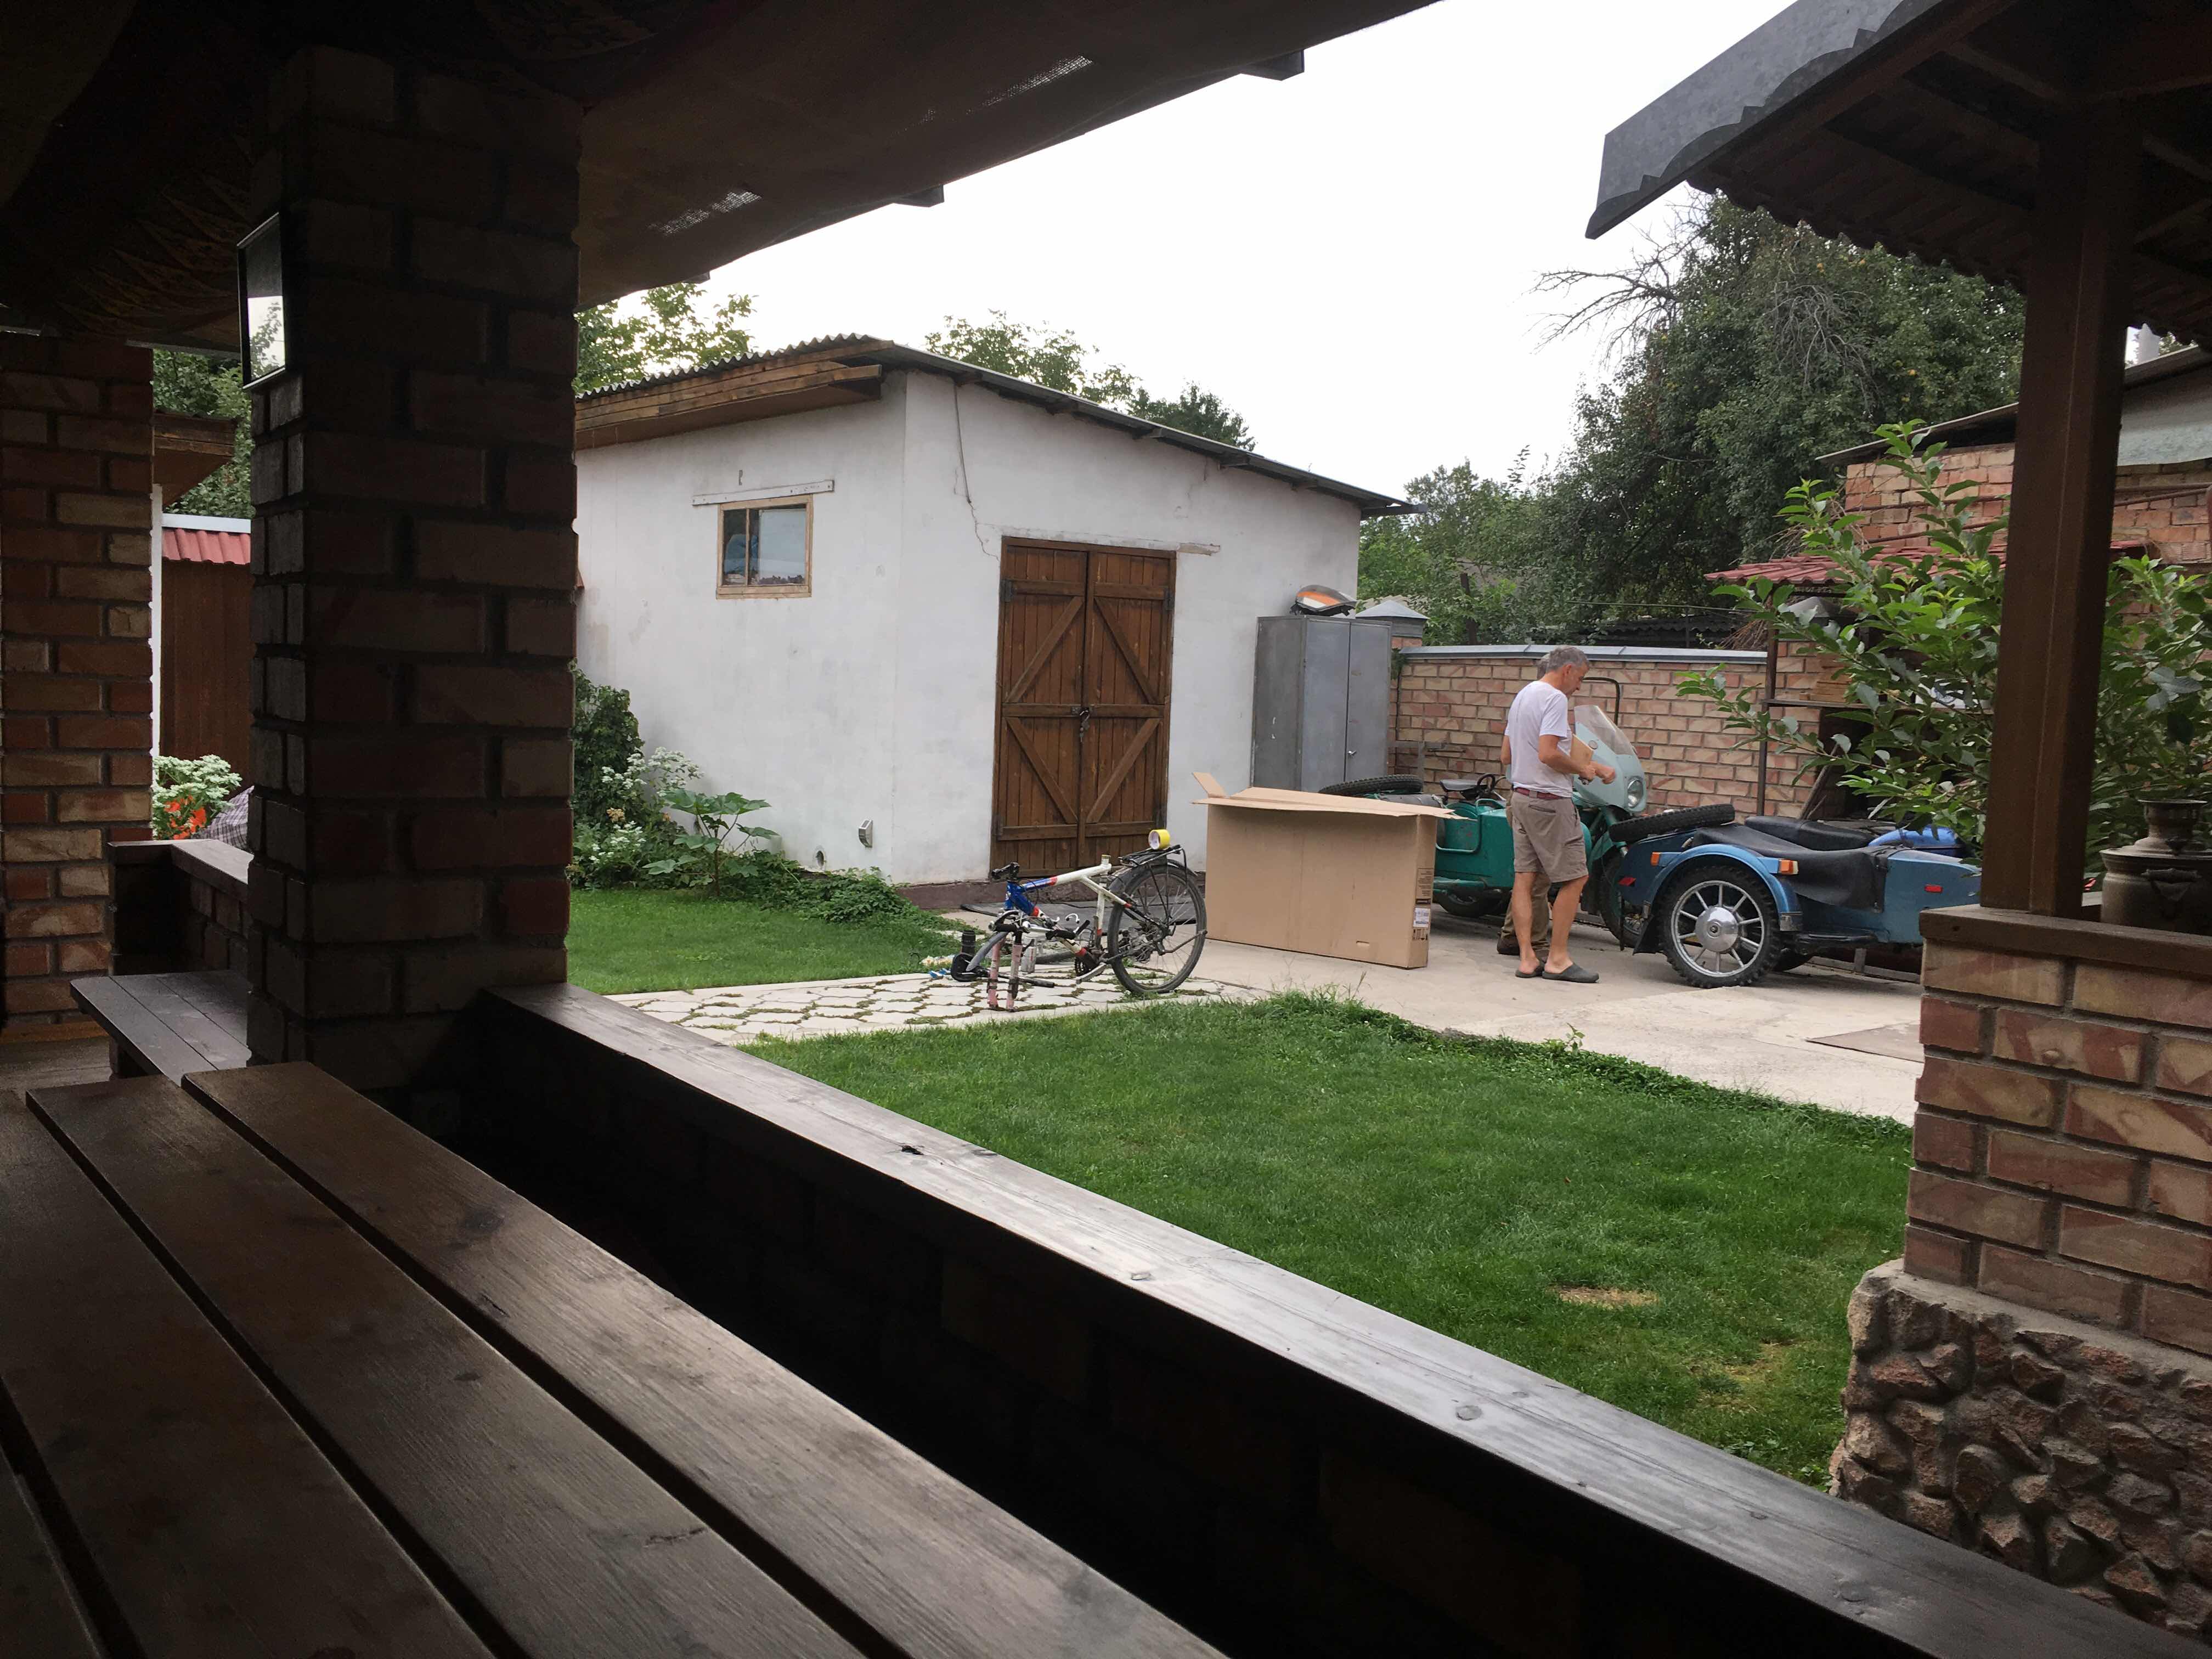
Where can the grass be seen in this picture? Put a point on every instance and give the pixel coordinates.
(1683, 1251)
(636, 938)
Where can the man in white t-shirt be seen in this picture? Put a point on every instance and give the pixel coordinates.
(1547, 831)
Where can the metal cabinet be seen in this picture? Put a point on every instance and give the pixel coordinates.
(1321, 701)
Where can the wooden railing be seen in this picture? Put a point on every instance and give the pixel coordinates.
(1282, 1469)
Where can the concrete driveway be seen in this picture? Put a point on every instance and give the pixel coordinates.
(1826, 1035)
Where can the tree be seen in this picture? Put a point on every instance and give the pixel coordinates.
(1744, 348)
(669, 330)
(1196, 411)
(1481, 564)
(186, 383)
(1915, 637)
(1059, 362)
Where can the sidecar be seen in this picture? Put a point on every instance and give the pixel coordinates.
(1729, 903)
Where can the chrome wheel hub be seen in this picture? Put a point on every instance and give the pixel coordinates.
(1718, 929)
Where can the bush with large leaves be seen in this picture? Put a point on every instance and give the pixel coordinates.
(1914, 633)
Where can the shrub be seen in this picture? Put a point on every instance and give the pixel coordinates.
(714, 819)
(188, 792)
(607, 741)
(1915, 635)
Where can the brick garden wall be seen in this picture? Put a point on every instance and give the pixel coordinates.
(2162, 505)
(1454, 700)
(75, 581)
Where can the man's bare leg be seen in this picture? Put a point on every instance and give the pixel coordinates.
(1564, 907)
(1524, 917)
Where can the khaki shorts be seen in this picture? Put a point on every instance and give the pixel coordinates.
(1547, 837)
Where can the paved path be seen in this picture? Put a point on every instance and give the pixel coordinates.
(742, 1013)
(1779, 1038)
(1828, 1037)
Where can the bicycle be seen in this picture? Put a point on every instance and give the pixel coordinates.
(1147, 925)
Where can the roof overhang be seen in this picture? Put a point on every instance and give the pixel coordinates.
(188, 448)
(825, 373)
(1996, 426)
(1917, 125)
(712, 128)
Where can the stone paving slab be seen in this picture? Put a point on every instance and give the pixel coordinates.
(739, 1014)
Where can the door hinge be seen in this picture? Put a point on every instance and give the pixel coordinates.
(1005, 589)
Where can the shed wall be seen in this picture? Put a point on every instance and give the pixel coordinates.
(873, 700)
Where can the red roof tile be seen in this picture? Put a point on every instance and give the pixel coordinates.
(206, 546)
(1811, 569)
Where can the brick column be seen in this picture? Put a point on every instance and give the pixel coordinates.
(76, 446)
(414, 563)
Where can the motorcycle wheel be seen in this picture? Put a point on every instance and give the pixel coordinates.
(1718, 927)
(1399, 783)
(1472, 907)
(1666, 823)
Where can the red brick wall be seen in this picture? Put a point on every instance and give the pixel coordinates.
(77, 444)
(1456, 706)
(2063, 1150)
(2162, 505)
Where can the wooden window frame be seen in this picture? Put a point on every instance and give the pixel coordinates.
(800, 589)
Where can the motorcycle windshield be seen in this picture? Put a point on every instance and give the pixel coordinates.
(1611, 747)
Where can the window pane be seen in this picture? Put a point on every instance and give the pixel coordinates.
(736, 523)
(780, 553)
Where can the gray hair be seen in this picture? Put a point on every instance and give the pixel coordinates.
(1563, 656)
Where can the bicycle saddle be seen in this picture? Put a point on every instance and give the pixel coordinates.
(1006, 872)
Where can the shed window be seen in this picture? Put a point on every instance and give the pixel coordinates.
(765, 548)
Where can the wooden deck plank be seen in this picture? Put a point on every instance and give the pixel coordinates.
(566, 1544)
(120, 1013)
(38, 1611)
(928, 1565)
(195, 1008)
(215, 1527)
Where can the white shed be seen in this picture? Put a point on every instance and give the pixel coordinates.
(937, 618)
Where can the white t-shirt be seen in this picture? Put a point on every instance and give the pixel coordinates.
(1539, 710)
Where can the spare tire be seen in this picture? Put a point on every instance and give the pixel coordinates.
(1665, 823)
(1400, 785)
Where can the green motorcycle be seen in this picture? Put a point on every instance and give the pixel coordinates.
(1474, 846)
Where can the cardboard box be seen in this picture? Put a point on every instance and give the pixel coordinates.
(1329, 875)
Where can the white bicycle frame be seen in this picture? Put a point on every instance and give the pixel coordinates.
(1008, 947)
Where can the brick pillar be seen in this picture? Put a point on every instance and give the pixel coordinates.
(2034, 1377)
(414, 562)
(76, 448)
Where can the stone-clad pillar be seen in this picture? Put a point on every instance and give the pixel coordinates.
(76, 451)
(414, 562)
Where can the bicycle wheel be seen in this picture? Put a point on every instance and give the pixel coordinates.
(1154, 943)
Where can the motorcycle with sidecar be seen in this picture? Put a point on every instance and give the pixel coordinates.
(1727, 903)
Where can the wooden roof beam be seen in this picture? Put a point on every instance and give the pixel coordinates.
(2155, 58)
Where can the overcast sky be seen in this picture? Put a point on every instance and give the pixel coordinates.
(1345, 258)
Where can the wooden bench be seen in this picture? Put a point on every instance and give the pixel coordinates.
(169, 1024)
(280, 1375)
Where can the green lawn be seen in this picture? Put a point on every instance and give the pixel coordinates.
(1464, 1185)
(637, 939)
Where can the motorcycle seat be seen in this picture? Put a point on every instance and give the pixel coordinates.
(1849, 877)
(1817, 834)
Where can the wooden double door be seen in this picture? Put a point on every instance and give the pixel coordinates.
(1085, 638)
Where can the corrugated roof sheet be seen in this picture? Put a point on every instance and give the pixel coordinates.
(206, 546)
(889, 354)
